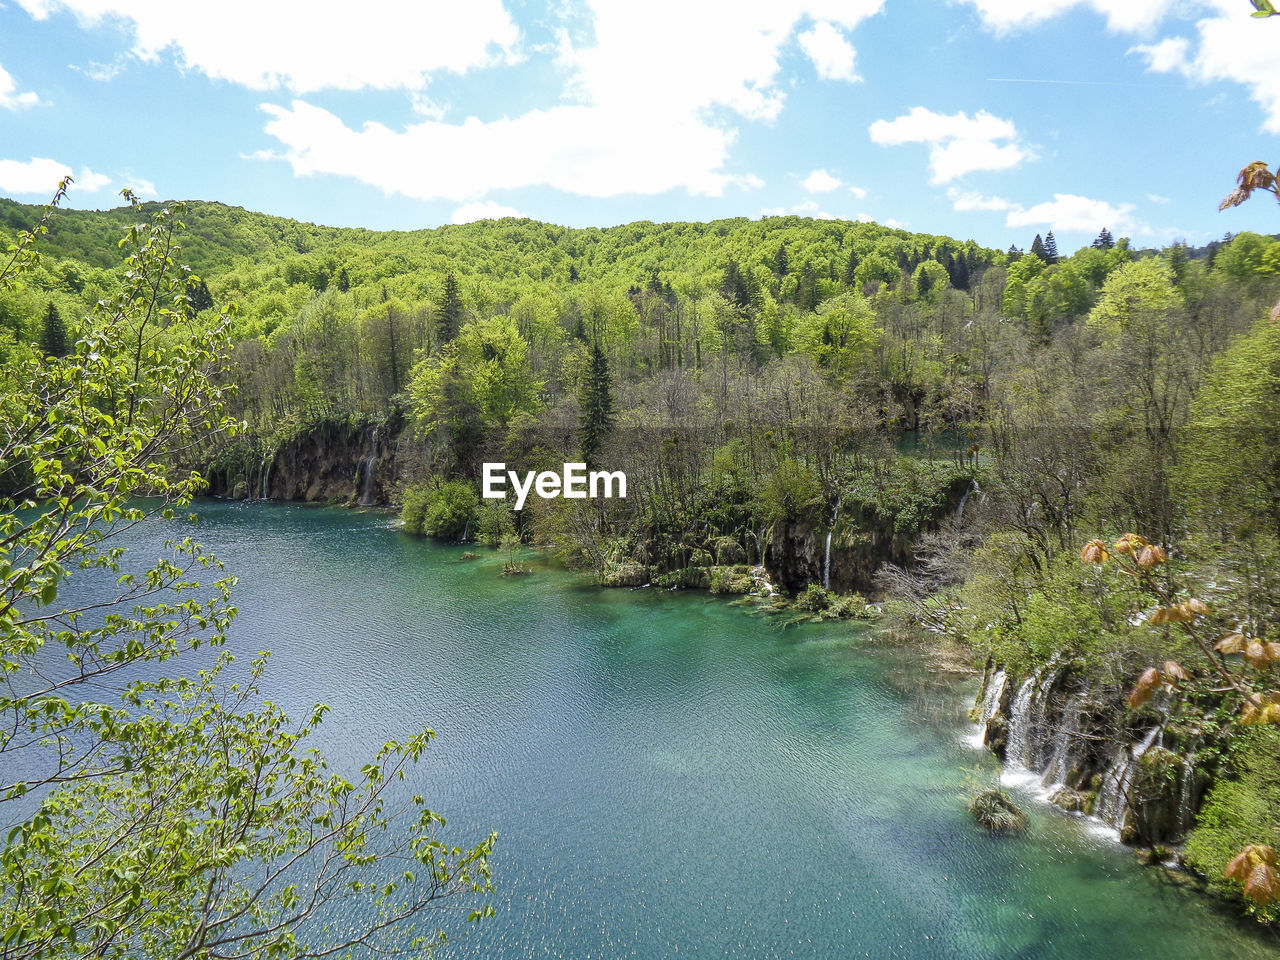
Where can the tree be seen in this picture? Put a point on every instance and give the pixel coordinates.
(201, 298)
(1050, 248)
(178, 816)
(53, 333)
(449, 313)
(1104, 240)
(596, 399)
(1038, 250)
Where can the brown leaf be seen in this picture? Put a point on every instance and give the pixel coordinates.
(1178, 613)
(1128, 543)
(1174, 671)
(1147, 684)
(1262, 887)
(1240, 866)
(1256, 654)
(1197, 607)
(1231, 643)
(1152, 556)
(1095, 551)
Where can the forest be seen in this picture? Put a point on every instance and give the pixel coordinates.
(867, 421)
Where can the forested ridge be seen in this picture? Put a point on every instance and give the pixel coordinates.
(849, 411)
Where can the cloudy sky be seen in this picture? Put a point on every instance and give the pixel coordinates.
(990, 119)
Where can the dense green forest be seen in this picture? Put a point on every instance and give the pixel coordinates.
(859, 412)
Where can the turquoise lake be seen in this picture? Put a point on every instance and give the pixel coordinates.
(673, 775)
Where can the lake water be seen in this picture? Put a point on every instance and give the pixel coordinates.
(672, 775)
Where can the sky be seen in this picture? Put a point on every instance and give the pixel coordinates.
(985, 119)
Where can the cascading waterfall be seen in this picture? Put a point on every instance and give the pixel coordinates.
(1112, 807)
(1025, 750)
(826, 557)
(992, 694)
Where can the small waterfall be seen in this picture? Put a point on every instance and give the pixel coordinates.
(1026, 747)
(368, 467)
(266, 475)
(1066, 744)
(960, 509)
(1112, 807)
(1186, 794)
(992, 694)
(826, 557)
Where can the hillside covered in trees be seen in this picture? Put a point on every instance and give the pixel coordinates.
(839, 408)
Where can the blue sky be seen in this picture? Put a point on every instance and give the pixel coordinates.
(983, 119)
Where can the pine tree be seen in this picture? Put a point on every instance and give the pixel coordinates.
(596, 399)
(851, 267)
(1014, 253)
(1037, 249)
(344, 280)
(780, 263)
(449, 318)
(734, 286)
(53, 334)
(1050, 248)
(199, 295)
(1104, 240)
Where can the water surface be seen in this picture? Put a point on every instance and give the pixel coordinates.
(671, 775)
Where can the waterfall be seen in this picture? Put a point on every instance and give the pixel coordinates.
(368, 466)
(266, 475)
(1112, 807)
(826, 557)
(960, 509)
(1027, 722)
(1186, 794)
(992, 694)
(1066, 745)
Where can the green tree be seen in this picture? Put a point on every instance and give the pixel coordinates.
(449, 311)
(596, 399)
(176, 817)
(840, 335)
(53, 333)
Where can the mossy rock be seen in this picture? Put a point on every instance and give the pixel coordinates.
(996, 811)
(728, 551)
(1073, 801)
(625, 575)
(732, 580)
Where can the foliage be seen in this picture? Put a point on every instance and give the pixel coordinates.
(172, 816)
(1241, 808)
(450, 510)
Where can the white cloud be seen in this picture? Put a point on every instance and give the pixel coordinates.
(10, 98)
(887, 222)
(832, 55)
(958, 143)
(1233, 47)
(967, 201)
(820, 182)
(1004, 16)
(102, 72)
(624, 126)
(143, 188)
(810, 208)
(40, 176)
(1156, 198)
(483, 210)
(859, 192)
(308, 45)
(1067, 211)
